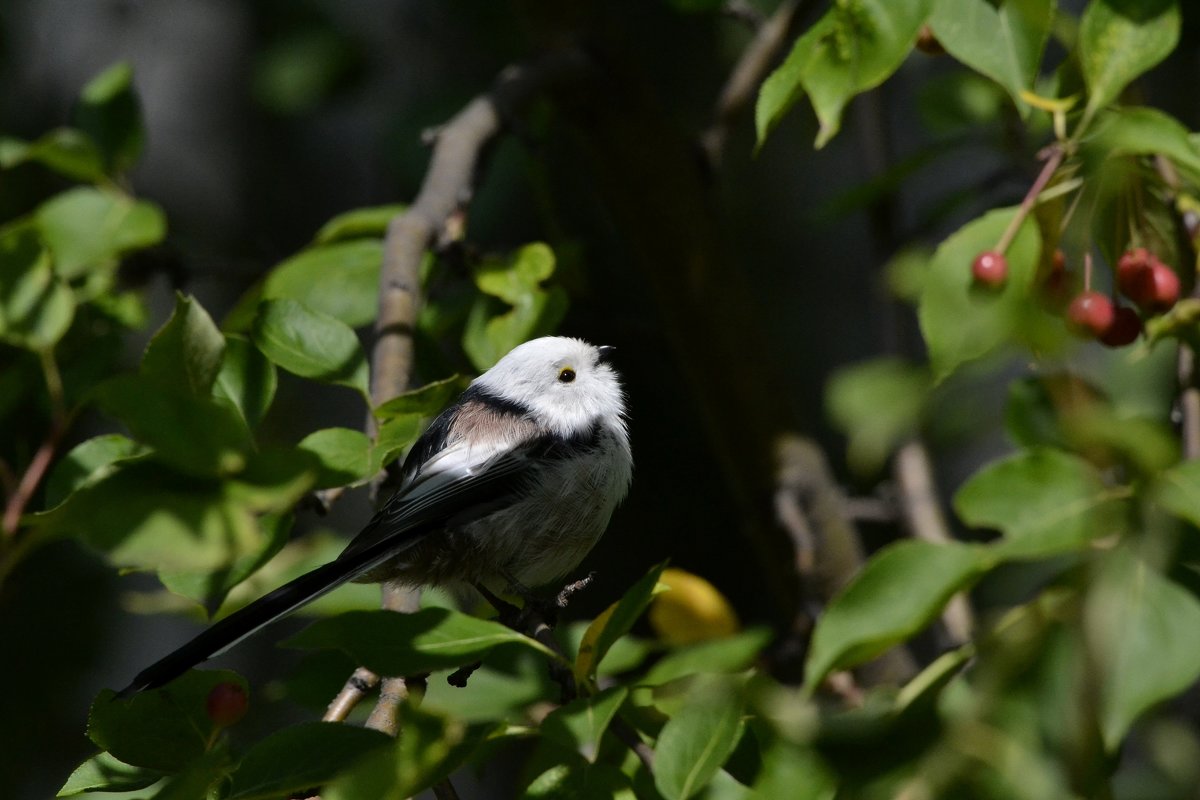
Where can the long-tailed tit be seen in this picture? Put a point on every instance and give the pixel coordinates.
(509, 487)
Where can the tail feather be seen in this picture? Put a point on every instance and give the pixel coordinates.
(247, 621)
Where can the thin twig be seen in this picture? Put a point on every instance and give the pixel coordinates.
(922, 512)
(742, 86)
(40, 463)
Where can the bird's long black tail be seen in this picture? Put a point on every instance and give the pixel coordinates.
(262, 612)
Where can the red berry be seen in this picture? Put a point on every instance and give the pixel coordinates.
(990, 269)
(1134, 275)
(1090, 314)
(1125, 327)
(1164, 287)
(227, 703)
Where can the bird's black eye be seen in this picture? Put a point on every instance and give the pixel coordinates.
(566, 375)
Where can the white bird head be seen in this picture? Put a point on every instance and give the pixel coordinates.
(566, 384)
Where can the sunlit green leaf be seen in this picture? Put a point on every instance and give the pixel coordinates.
(65, 150)
(186, 352)
(1045, 502)
(1144, 131)
(695, 742)
(854, 47)
(1142, 628)
(344, 455)
(409, 644)
(359, 223)
(36, 307)
(877, 404)
(246, 379)
(310, 344)
(144, 515)
(429, 400)
(800, 774)
(579, 724)
(88, 462)
(1002, 41)
(86, 228)
(615, 622)
(1121, 39)
(580, 781)
(962, 322)
(731, 654)
(106, 773)
(898, 593)
(531, 310)
(339, 279)
(110, 114)
(199, 435)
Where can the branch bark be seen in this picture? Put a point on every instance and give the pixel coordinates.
(748, 74)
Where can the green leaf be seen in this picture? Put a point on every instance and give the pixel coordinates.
(1140, 132)
(898, 593)
(344, 456)
(1045, 502)
(87, 463)
(393, 437)
(961, 322)
(616, 621)
(580, 724)
(853, 48)
(161, 729)
(198, 435)
(109, 112)
(1121, 39)
(186, 352)
(88, 228)
(731, 654)
(145, 516)
(580, 781)
(341, 280)
(246, 379)
(428, 750)
(533, 311)
(877, 404)
(302, 757)
(1003, 41)
(106, 773)
(427, 401)
(36, 307)
(695, 742)
(359, 223)
(1178, 491)
(389, 643)
(1142, 629)
(65, 150)
(209, 588)
(799, 774)
(310, 344)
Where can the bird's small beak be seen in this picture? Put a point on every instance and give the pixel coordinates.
(606, 353)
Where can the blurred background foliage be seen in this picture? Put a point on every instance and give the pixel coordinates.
(240, 152)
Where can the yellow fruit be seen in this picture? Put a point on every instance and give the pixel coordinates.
(691, 611)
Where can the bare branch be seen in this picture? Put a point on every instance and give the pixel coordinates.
(742, 86)
(922, 512)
